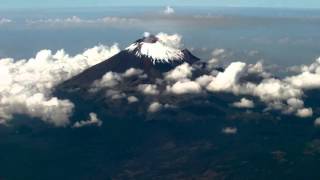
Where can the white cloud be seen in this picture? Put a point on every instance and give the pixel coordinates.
(274, 92)
(204, 80)
(230, 130)
(115, 94)
(317, 122)
(309, 78)
(304, 112)
(184, 87)
(258, 69)
(112, 79)
(274, 89)
(225, 81)
(148, 89)
(99, 53)
(169, 10)
(109, 80)
(218, 52)
(305, 80)
(49, 109)
(155, 107)
(26, 85)
(212, 63)
(173, 40)
(132, 99)
(93, 120)
(244, 103)
(117, 20)
(132, 72)
(75, 20)
(293, 105)
(182, 71)
(5, 21)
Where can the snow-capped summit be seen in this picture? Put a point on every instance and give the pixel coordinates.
(154, 55)
(160, 48)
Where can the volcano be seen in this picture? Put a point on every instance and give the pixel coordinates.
(104, 87)
(151, 54)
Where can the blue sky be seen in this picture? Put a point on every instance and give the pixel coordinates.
(85, 3)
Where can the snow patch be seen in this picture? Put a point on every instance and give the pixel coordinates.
(162, 48)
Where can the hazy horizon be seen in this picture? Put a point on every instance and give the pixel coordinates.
(254, 28)
(207, 3)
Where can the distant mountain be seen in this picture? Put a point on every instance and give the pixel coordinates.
(148, 54)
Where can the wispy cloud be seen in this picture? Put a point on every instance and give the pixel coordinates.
(5, 21)
(75, 20)
(168, 10)
(92, 121)
(230, 130)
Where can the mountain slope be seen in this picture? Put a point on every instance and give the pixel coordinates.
(135, 56)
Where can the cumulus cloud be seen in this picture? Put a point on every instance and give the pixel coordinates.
(110, 79)
(293, 105)
(244, 103)
(169, 10)
(115, 94)
(132, 99)
(132, 72)
(184, 87)
(317, 122)
(218, 52)
(155, 107)
(304, 112)
(26, 85)
(309, 78)
(305, 80)
(93, 120)
(276, 93)
(179, 82)
(280, 94)
(230, 130)
(273, 92)
(173, 40)
(148, 89)
(258, 69)
(212, 63)
(5, 21)
(204, 80)
(274, 89)
(169, 44)
(226, 80)
(182, 71)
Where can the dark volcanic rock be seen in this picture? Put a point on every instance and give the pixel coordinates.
(122, 62)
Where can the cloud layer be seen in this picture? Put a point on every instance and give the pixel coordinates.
(26, 85)
(75, 20)
(241, 79)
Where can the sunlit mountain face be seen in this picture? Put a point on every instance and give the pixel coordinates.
(159, 93)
